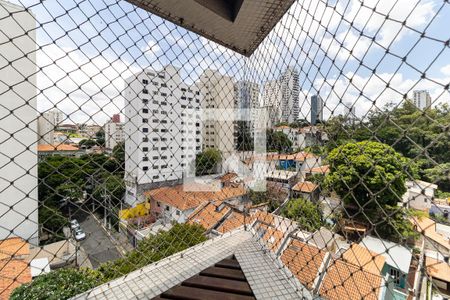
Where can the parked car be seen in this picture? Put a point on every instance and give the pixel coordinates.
(74, 224)
(79, 234)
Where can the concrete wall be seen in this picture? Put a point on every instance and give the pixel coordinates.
(18, 202)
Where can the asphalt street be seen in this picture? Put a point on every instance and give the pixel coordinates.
(97, 245)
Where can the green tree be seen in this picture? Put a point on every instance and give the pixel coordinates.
(278, 141)
(299, 123)
(206, 162)
(52, 222)
(155, 248)
(439, 175)
(395, 226)
(100, 137)
(263, 197)
(111, 185)
(244, 137)
(118, 155)
(305, 212)
(58, 285)
(367, 174)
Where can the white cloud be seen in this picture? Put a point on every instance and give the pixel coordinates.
(87, 89)
(445, 70)
(371, 92)
(151, 48)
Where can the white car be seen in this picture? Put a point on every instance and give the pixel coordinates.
(79, 234)
(74, 224)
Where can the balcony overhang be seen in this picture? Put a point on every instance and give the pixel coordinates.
(240, 25)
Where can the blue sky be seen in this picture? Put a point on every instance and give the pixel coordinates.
(88, 47)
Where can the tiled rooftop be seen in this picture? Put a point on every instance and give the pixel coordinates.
(347, 281)
(304, 261)
(361, 256)
(189, 196)
(264, 275)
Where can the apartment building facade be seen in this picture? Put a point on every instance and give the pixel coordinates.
(162, 132)
(290, 95)
(113, 134)
(272, 101)
(18, 201)
(316, 109)
(218, 98)
(422, 99)
(281, 98)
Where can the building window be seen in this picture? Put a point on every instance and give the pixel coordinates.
(155, 177)
(145, 168)
(178, 212)
(158, 204)
(145, 110)
(164, 94)
(145, 158)
(155, 83)
(145, 129)
(145, 149)
(144, 120)
(145, 139)
(144, 81)
(145, 101)
(395, 275)
(145, 91)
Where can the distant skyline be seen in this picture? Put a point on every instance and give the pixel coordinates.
(90, 80)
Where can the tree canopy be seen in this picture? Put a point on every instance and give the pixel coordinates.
(305, 212)
(154, 248)
(58, 285)
(206, 162)
(278, 141)
(368, 174)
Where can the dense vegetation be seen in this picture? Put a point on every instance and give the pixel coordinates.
(59, 284)
(419, 135)
(370, 178)
(306, 213)
(206, 162)
(154, 248)
(65, 178)
(277, 141)
(66, 283)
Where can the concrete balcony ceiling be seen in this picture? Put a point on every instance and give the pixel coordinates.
(240, 25)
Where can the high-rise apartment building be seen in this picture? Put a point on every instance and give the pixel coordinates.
(47, 123)
(18, 139)
(113, 134)
(290, 95)
(218, 95)
(272, 101)
(46, 128)
(162, 133)
(422, 99)
(316, 109)
(281, 97)
(247, 102)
